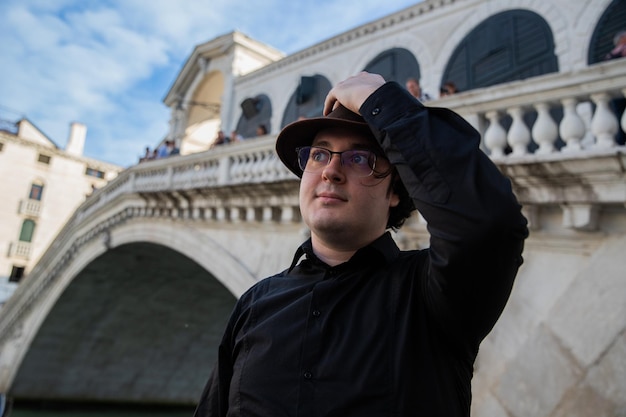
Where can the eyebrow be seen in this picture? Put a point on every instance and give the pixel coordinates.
(352, 145)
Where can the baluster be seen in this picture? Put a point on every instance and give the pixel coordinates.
(235, 168)
(495, 136)
(264, 166)
(623, 119)
(572, 128)
(585, 111)
(223, 174)
(603, 122)
(256, 168)
(519, 135)
(250, 213)
(545, 130)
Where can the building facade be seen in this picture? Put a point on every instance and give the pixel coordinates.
(45, 185)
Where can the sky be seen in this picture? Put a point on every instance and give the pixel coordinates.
(108, 64)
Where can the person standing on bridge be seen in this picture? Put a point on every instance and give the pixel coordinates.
(355, 326)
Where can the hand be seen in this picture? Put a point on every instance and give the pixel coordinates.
(352, 92)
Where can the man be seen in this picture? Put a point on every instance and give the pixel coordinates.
(356, 327)
(413, 86)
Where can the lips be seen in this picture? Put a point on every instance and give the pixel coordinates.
(330, 196)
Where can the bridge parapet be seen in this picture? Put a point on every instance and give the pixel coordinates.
(554, 113)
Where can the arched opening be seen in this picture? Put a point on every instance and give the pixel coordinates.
(255, 111)
(508, 46)
(140, 325)
(307, 100)
(203, 114)
(27, 230)
(395, 64)
(612, 21)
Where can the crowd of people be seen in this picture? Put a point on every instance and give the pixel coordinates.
(167, 148)
(222, 139)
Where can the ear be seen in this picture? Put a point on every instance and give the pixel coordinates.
(394, 199)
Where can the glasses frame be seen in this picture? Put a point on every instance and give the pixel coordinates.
(371, 157)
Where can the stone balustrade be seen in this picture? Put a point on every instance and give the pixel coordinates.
(20, 249)
(30, 207)
(537, 131)
(562, 112)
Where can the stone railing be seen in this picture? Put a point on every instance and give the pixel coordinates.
(30, 207)
(20, 249)
(561, 112)
(251, 162)
(554, 117)
(501, 113)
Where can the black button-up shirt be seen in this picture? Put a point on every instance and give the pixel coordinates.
(390, 332)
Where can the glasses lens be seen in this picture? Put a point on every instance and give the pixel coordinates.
(359, 163)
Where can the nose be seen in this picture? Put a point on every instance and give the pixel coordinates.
(333, 171)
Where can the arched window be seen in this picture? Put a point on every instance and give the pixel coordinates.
(307, 100)
(612, 21)
(397, 64)
(36, 191)
(28, 228)
(256, 111)
(508, 46)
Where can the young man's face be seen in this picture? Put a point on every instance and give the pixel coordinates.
(339, 207)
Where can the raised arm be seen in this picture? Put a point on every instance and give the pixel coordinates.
(474, 220)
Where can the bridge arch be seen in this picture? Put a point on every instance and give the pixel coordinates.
(140, 319)
(195, 243)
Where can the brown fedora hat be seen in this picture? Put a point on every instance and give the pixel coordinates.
(302, 132)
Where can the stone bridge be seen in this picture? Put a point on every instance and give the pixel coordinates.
(129, 302)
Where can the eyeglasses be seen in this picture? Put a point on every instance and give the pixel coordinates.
(358, 162)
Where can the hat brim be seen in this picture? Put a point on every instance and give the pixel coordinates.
(302, 133)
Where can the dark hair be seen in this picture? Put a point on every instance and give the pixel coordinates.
(401, 212)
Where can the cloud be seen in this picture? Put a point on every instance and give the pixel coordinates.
(108, 64)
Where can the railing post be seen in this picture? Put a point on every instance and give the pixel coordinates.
(495, 135)
(603, 122)
(223, 176)
(572, 128)
(519, 135)
(545, 130)
(623, 118)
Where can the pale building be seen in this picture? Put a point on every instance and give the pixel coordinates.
(42, 187)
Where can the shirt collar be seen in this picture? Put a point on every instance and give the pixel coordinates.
(383, 247)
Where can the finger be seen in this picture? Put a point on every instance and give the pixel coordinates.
(329, 104)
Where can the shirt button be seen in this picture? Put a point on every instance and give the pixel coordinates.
(316, 313)
(307, 375)
(375, 111)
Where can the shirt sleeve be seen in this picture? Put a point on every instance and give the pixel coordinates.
(475, 223)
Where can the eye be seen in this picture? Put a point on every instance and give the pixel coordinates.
(318, 155)
(360, 158)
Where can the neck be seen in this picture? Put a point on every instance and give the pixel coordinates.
(329, 254)
(335, 253)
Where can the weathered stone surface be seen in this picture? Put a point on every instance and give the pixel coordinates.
(608, 376)
(593, 310)
(538, 377)
(584, 402)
